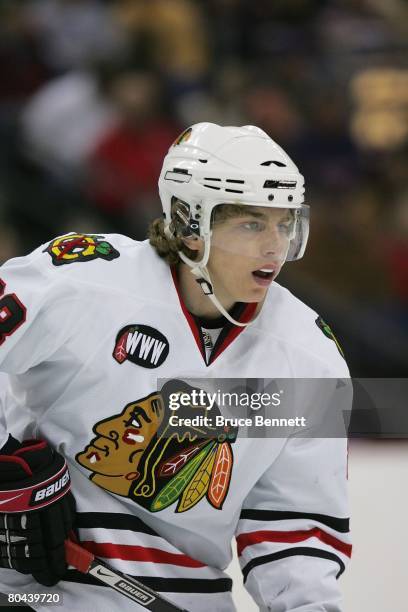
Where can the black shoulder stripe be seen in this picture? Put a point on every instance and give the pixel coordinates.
(163, 585)
(110, 520)
(339, 524)
(292, 552)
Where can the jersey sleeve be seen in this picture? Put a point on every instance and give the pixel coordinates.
(293, 533)
(3, 427)
(35, 308)
(36, 315)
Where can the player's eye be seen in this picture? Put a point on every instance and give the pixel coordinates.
(253, 226)
(286, 226)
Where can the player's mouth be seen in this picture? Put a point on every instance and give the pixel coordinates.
(264, 276)
(132, 436)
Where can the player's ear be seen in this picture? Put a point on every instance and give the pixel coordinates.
(194, 243)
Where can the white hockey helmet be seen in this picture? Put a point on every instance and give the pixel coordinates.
(208, 165)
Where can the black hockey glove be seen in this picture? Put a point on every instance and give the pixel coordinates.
(37, 509)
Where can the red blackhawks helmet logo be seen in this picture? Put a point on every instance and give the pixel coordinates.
(73, 248)
(136, 454)
(183, 137)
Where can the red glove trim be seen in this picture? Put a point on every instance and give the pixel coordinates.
(29, 445)
(37, 496)
(19, 460)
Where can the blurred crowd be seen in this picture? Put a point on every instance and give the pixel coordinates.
(93, 92)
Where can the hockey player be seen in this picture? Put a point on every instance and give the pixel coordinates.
(89, 323)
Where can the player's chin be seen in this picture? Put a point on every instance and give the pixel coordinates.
(253, 295)
(259, 295)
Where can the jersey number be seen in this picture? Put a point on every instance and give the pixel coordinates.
(12, 313)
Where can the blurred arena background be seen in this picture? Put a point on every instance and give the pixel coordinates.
(92, 93)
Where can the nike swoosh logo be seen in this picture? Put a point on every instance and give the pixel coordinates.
(99, 572)
(4, 501)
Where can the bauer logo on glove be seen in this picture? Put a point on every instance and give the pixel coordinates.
(37, 509)
(40, 489)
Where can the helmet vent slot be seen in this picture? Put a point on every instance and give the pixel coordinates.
(274, 161)
(234, 191)
(235, 181)
(211, 179)
(212, 187)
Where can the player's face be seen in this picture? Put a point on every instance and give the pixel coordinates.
(114, 454)
(247, 253)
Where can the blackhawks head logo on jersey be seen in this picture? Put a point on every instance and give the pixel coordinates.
(73, 248)
(136, 454)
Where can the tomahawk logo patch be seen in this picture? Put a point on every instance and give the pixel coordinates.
(142, 345)
(74, 248)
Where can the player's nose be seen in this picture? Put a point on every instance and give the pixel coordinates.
(272, 242)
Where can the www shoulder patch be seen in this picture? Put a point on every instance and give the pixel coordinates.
(326, 329)
(73, 248)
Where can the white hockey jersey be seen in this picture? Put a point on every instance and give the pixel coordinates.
(87, 326)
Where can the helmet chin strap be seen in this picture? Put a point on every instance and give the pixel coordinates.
(203, 279)
(200, 271)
